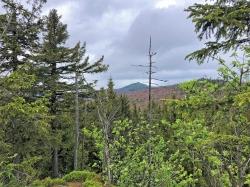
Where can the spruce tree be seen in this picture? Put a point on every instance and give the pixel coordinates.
(55, 60)
(19, 29)
(81, 67)
(25, 128)
(23, 121)
(226, 23)
(63, 71)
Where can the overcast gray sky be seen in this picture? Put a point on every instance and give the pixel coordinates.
(120, 30)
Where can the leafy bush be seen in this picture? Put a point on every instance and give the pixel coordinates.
(88, 178)
(48, 182)
(92, 183)
(79, 176)
(20, 174)
(247, 179)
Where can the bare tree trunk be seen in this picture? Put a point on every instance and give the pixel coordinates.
(150, 55)
(17, 160)
(55, 163)
(106, 119)
(107, 150)
(82, 135)
(106, 125)
(76, 123)
(82, 159)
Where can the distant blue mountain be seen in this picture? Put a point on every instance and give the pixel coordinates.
(132, 88)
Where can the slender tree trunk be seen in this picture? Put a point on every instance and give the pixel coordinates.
(106, 118)
(150, 82)
(76, 124)
(55, 167)
(14, 54)
(55, 163)
(82, 135)
(107, 151)
(150, 54)
(53, 112)
(17, 160)
(82, 159)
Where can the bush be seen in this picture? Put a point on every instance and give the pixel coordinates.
(79, 176)
(89, 179)
(48, 182)
(92, 183)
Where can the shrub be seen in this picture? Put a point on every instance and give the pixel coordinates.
(79, 176)
(48, 182)
(92, 183)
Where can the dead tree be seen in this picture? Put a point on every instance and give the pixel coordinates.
(151, 79)
(150, 72)
(106, 118)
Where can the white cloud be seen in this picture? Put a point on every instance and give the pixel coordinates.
(164, 3)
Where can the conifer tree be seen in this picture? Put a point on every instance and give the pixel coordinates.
(24, 124)
(19, 28)
(125, 107)
(55, 60)
(82, 66)
(63, 72)
(23, 121)
(226, 23)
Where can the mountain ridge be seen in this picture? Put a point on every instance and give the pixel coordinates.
(134, 87)
(137, 93)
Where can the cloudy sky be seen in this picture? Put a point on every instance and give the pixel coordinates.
(120, 30)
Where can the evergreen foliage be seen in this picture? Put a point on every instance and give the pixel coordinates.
(225, 22)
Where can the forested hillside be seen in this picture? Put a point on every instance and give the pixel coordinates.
(159, 95)
(56, 129)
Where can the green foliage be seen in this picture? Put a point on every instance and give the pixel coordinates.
(19, 30)
(131, 150)
(79, 176)
(24, 122)
(209, 133)
(89, 179)
(92, 183)
(225, 20)
(20, 174)
(48, 182)
(247, 179)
